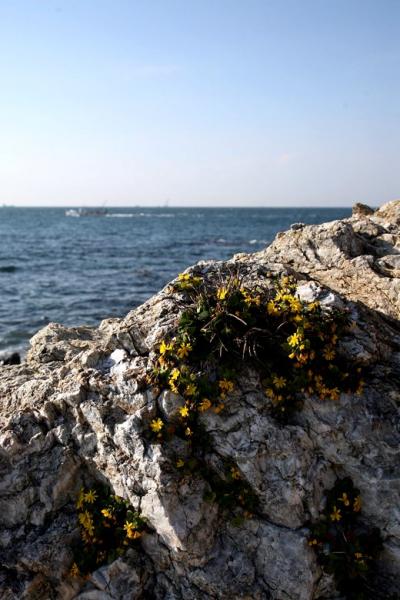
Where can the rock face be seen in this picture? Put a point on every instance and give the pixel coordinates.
(75, 413)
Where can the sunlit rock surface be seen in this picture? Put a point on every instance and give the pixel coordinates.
(75, 413)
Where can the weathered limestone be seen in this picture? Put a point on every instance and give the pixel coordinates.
(76, 412)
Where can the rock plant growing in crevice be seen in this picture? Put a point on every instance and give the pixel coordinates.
(345, 545)
(108, 527)
(226, 326)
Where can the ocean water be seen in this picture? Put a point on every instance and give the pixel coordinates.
(81, 270)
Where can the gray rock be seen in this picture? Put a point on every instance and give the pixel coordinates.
(77, 411)
(362, 210)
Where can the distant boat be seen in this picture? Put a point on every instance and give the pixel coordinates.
(86, 212)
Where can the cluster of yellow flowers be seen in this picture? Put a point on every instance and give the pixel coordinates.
(336, 514)
(222, 293)
(250, 299)
(306, 357)
(344, 543)
(293, 343)
(85, 498)
(86, 520)
(174, 370)
(108, 525)
(226, 387)
(182, 381)
(131, 530)
(311, 346)
(187, 281)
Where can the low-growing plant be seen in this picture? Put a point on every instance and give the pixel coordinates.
(108, 527)
(224, 325)
(346, 547)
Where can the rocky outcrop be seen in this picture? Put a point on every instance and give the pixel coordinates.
(77, 412)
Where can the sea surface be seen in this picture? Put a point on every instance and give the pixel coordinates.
(80, 270)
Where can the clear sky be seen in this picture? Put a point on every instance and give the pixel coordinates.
(258, 102)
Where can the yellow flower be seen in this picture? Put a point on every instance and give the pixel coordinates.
(328, 353)
(190, 389)
(131, 531)
(156, 425)
(357, 504)
(313, 542)
(175, 374)
(188, 432)
(217, 409)
(323, 392)
(173, 387)
(334, 393)
(295, 304)
(90, 496)
(272, 309)
(184, 350)
(295, 339)
(222, 293)
(358, 555)
(286, 281)
(279, 382)
(173, 379)
(336, 514)
(344, 498)
(85, 537)
(85, 520)
(83, 517)
(235, 473)
(184, 411)
(249, 299)
(184, 276)
(74, 570)
(107, 513)
(165, 347)
(226, 386)
(204, 405)
(180, 463)
(313, 306)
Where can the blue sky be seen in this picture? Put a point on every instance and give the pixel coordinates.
(240, 102)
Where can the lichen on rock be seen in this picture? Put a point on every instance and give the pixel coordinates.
(77, 413)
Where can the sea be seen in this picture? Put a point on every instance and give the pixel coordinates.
(80, 270)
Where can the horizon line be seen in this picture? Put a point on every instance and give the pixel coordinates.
(195, 206)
